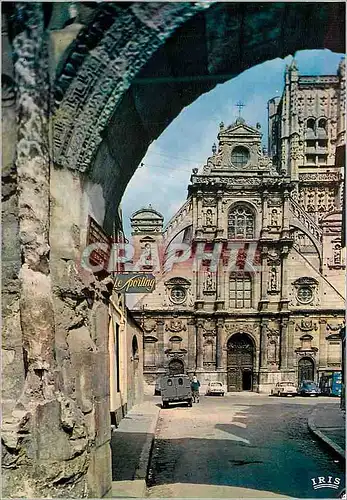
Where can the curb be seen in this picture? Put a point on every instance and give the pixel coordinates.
(312, 427)
(142, 469)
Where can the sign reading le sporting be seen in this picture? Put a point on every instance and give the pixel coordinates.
(134, 283)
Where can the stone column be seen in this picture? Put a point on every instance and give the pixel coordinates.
(284, 346)
(199, 210)
(290, 354)
(199, 345)
(161, 346)
(191, 344)
(33, 170)
(264, 231)
(284, 278)
(219, 343)
(285, 217)
(220, 225)
(264, 279)
(263, 344)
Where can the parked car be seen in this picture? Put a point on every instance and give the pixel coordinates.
(215, 388)
(284, 389)
(176, 389)
(308, 388)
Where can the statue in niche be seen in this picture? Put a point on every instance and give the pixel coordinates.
(273, 279)
(209, 281)
(274, 221)
(147, 255)
(271, 352)
(209, 217)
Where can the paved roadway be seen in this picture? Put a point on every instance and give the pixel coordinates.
(245, 440)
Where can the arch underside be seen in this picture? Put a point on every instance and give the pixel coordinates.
(154, 60)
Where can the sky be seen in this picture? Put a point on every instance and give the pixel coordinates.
(186, 143)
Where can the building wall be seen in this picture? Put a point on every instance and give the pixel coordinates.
(293, 256)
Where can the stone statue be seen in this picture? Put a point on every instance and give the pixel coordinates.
(273, 279)
(274, 221)
(209, 281)
(209, 217)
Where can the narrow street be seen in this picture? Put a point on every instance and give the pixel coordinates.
(242, 440)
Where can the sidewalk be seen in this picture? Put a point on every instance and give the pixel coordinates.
(327, 422)
(131, 445)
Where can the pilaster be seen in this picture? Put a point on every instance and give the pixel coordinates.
(219, 347)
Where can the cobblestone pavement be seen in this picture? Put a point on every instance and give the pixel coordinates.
(250, 441)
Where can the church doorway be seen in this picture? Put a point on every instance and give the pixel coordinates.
(176, 367)
(305, 369)
(240, 363)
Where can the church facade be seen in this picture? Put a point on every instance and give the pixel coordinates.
(250, 270)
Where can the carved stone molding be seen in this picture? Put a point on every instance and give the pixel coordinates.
(149, 325)
(306, 325)
(175, 325)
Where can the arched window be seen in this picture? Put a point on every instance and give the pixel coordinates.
(240, 290)
(322, 132)
(240, 222)
(135, 348)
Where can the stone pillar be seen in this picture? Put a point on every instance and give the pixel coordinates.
(264, 279)
(290, 354)
(285, 217)
(191, 344)
(199, 210)
(265, 221)
(284, 278)
(219, 343)
(263, 344)
(220, 225)
(284, 344)
(161, 346)
(199, 345)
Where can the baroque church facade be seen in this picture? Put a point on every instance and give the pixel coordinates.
(250, 270)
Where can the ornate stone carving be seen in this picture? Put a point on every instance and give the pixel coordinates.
(209, 202)
(8, 91)
(273, 284)
(175, 325)
(97, 85)
(306, 325)
(149, 325)
(250, 328)
(305, 292)
(209, 282)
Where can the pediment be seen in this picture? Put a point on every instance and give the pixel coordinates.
(240, 130)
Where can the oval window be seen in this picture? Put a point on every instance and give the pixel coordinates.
(240, 156)
(180, 381)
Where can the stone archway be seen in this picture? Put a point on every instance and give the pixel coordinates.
(125, 77)
(178, 51)
(240, 363)
(306, 369)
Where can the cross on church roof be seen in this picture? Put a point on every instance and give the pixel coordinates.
(239, 105)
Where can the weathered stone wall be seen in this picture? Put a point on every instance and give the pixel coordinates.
(56, 425)
(12, 350)
(134, 363)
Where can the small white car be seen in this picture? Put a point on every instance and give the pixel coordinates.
(284, 389)
(215, 388)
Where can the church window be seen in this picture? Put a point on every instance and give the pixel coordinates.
(305, 294)
(311, 124)
(240, 290)
(240, 223)
(178, 295)
(239, 156)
